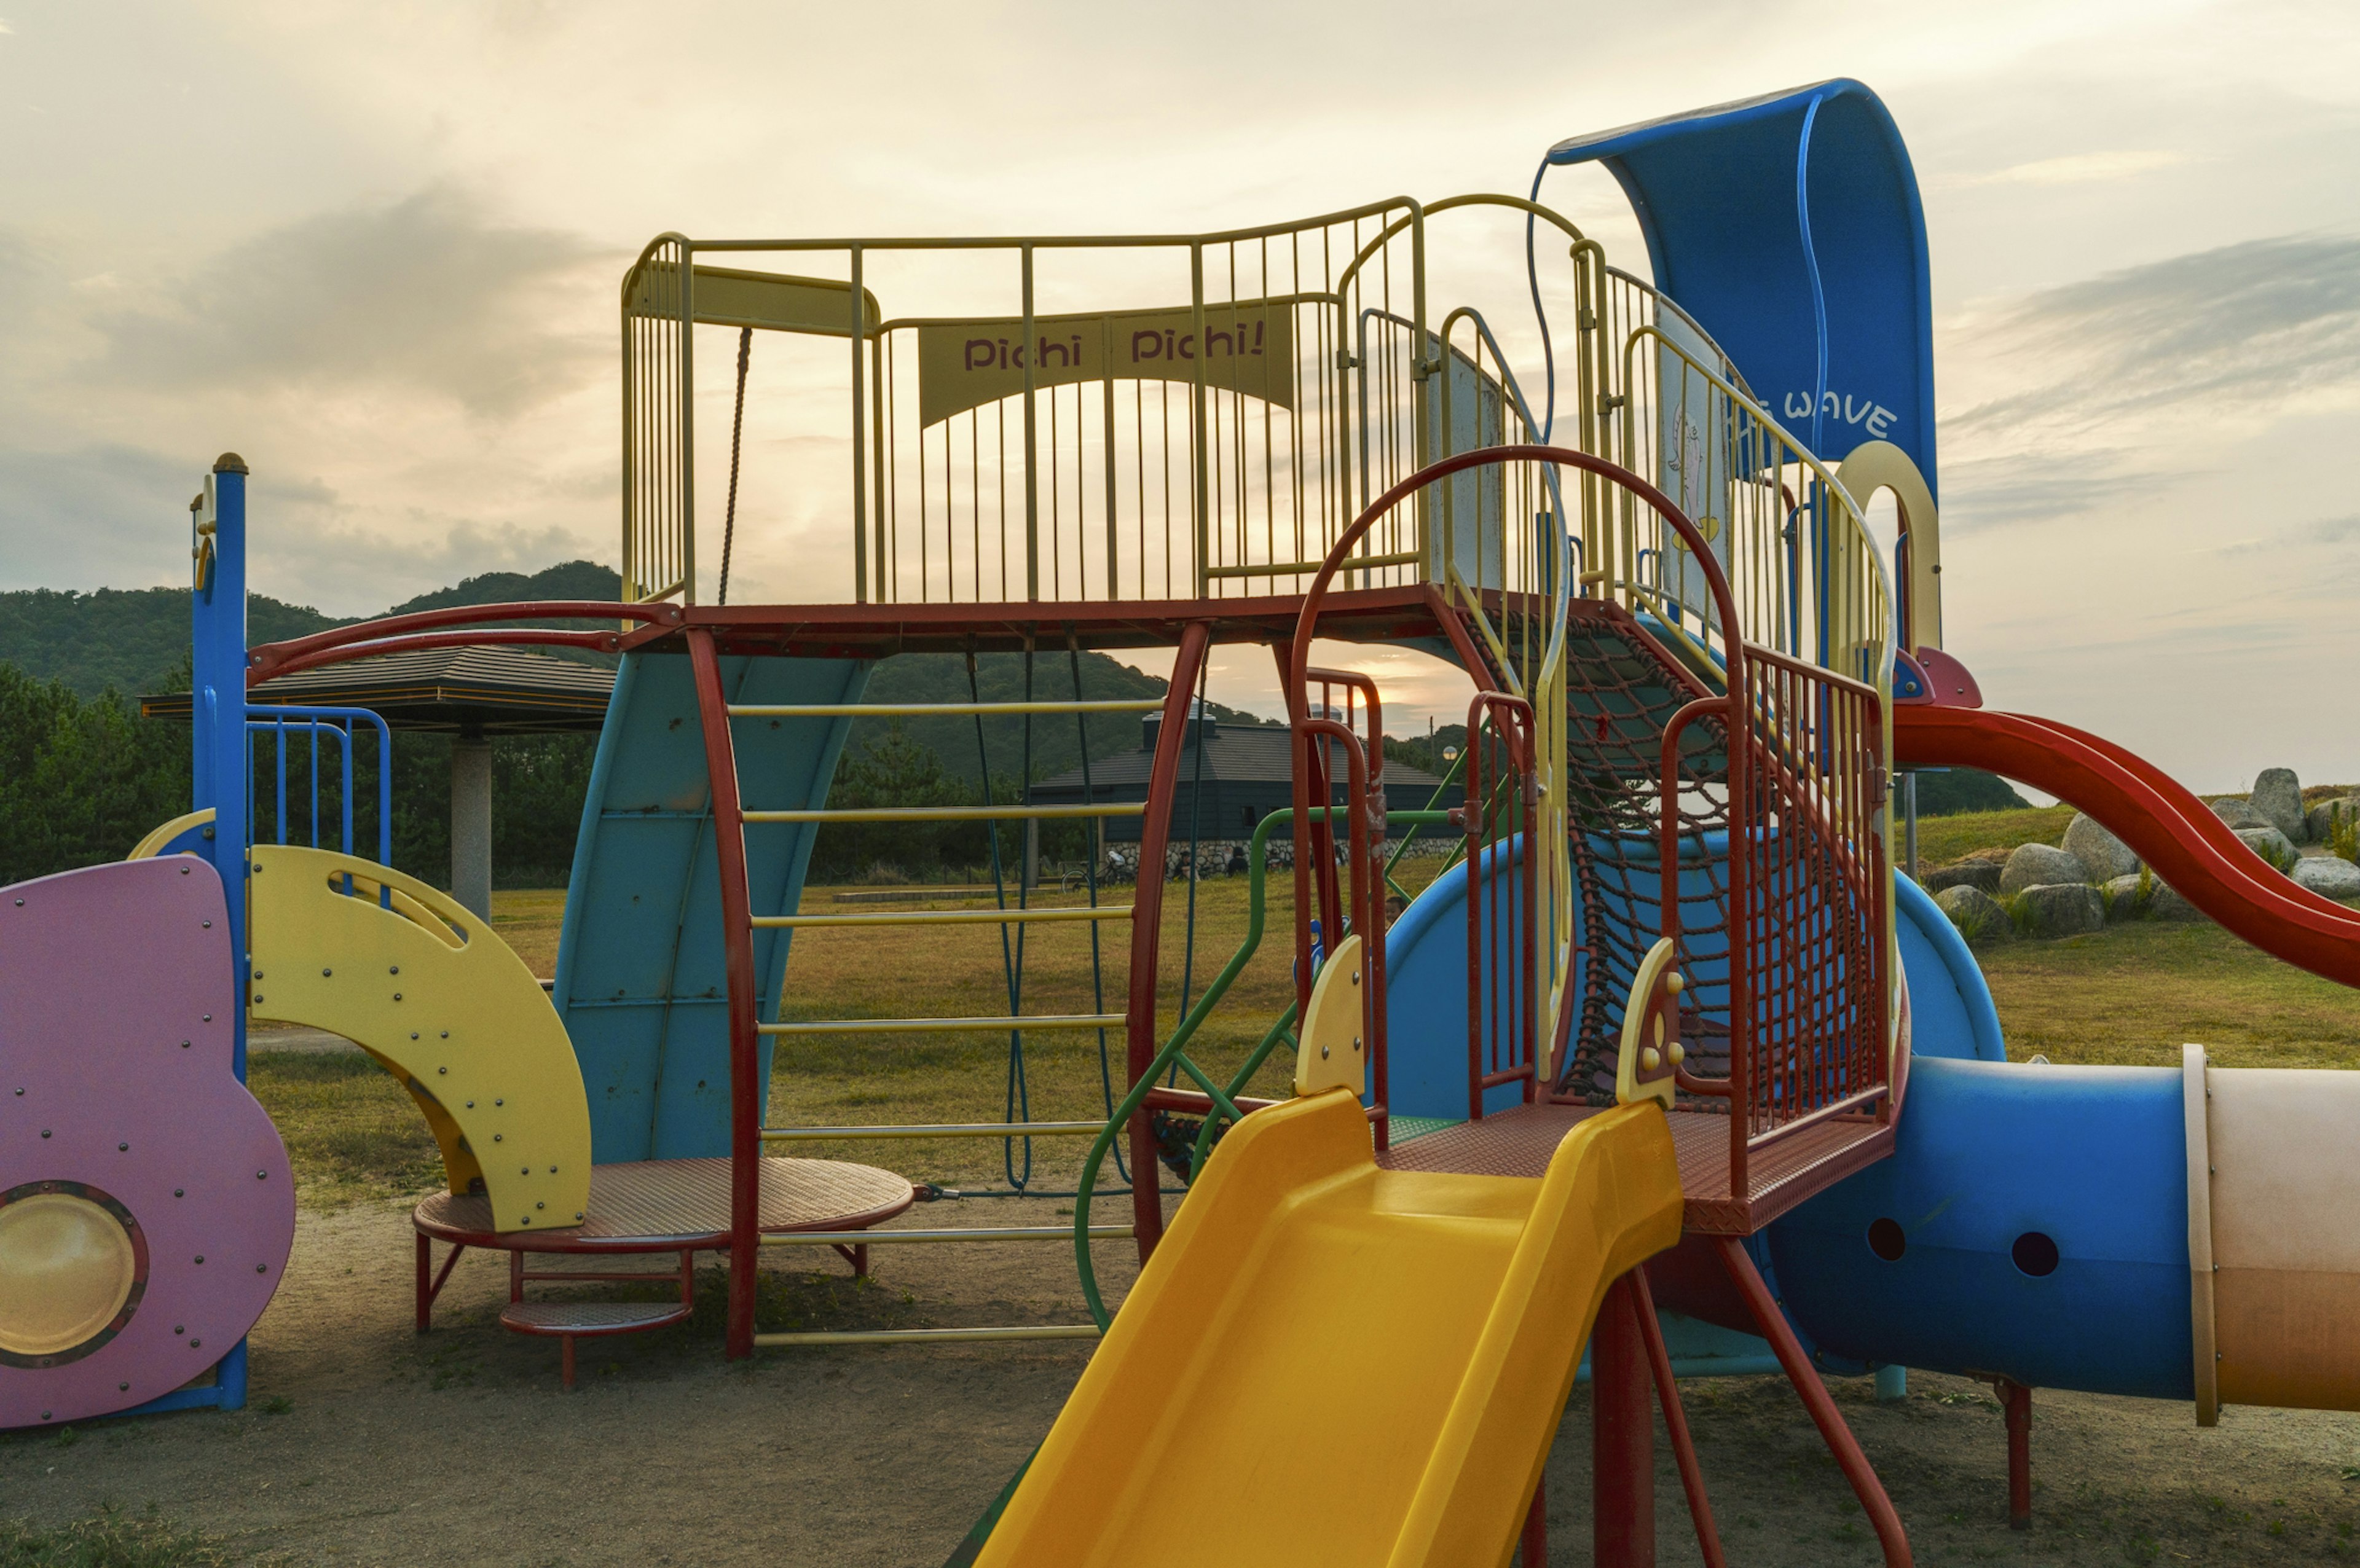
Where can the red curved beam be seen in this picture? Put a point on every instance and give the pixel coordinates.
(531, 636)
(2167, 825)
(397, 634)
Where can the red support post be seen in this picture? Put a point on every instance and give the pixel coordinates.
(1676, 1424)
(745, 1037)
(1531, 1546)
(2015, 1400)
(1147, 928)
(1841, 1442)
(1622, 1435)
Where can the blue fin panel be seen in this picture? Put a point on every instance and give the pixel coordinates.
(640, 964)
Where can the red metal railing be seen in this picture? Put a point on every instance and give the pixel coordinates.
(1503, 989)
(462, 626)
(1810, 908)
(1803, 778)
(1352, 902)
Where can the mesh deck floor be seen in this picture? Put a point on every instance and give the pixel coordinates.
(1519, 1141)
(658, 1204)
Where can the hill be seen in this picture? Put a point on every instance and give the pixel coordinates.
(134, 639)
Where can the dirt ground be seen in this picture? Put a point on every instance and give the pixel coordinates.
(365, 1444)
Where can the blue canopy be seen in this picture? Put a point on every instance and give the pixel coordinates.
(1788, 225)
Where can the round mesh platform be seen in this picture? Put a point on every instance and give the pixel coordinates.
(656, 1205)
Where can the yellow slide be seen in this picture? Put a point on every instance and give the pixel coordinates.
(1326, 1362)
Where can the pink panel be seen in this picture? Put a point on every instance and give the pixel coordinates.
(116, 1000)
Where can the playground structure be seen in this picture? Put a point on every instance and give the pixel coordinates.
(1670, 958)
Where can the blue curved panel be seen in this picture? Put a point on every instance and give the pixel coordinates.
(1951, 1010)
(1789, 226)
(1425, 998)
(639, 959)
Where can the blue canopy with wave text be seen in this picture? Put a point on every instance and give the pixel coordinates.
(1788, 225)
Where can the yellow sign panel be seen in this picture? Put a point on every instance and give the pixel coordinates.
(1247, 348)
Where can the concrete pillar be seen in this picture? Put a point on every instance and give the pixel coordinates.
(471, 824)
(1032, 852)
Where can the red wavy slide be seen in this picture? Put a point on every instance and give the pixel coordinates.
(2165, 825)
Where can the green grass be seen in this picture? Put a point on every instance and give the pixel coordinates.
(106, 1540)
(1941, 840)
(2131, 993)
(352, 1132)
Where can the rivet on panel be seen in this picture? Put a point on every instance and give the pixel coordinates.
(262, 1175)
(200, 1257)
(179, 1191)
(122, 1148)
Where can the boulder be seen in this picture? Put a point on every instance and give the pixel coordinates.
(1981, 875)
(2328, 875)
(1976, 913)
(2126, 900)
(2061, 909)
(2267, 843)
(2165, 903)
(2041, 864)
(2103, 856)
(2321, 817)
(2278, 799)
(2238, 812)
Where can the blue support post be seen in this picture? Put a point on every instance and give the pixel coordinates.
(220, 775)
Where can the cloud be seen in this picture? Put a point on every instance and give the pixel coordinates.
(2081, 168)
(2245, 326)
(426, 294)
(1996, 492)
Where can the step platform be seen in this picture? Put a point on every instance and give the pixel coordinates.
(1779, 1174)
(639, 1207)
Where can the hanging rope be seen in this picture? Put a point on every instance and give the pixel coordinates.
(1090, 861)
(736, 429)
(1019, 1093)
(1190, 715)
(1010, 955)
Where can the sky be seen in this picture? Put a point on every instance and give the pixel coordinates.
(375, 249)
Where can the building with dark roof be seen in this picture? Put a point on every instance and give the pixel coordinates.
(1232, 776)
(469, 693)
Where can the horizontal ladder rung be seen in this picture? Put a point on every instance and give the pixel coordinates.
(944, 1129)
(947, 710)
(951, 917)
(1008, 1232)
(950, 813)
(936, 1336)
(950, 1026)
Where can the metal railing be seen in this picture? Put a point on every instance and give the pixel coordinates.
(1139, 417)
